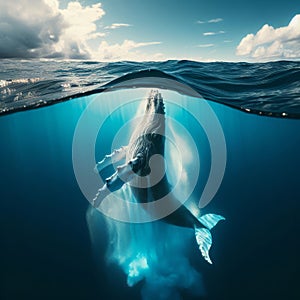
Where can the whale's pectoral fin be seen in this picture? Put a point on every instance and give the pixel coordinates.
(124, 174)
(115, 156)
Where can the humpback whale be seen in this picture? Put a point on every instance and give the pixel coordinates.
(147, 177)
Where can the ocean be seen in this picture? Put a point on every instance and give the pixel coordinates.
(232, 147)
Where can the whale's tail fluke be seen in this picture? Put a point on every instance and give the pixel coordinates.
(203, 235)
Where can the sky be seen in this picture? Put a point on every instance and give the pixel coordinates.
(113, 30)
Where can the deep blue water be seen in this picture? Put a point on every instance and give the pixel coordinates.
(54, 247)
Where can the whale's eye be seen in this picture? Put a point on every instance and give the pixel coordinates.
(155, 136)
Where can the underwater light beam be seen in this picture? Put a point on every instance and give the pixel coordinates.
(142, 250)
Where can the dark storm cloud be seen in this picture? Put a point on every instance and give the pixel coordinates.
(23, 40)
(39, 28)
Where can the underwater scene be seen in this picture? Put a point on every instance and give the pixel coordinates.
(127, 180)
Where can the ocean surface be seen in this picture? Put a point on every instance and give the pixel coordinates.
(240, 122)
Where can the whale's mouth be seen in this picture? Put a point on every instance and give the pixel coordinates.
(155, 103)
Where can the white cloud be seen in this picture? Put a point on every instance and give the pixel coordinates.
(117, 25)
(271, 43)
(217, 20)
(39, 28)
(81, 28)
(128, 50)
(213, 33)
(205, 45)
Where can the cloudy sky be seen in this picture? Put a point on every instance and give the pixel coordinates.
(110, 30)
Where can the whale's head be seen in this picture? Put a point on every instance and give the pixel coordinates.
(148, 137)
(155, 104)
